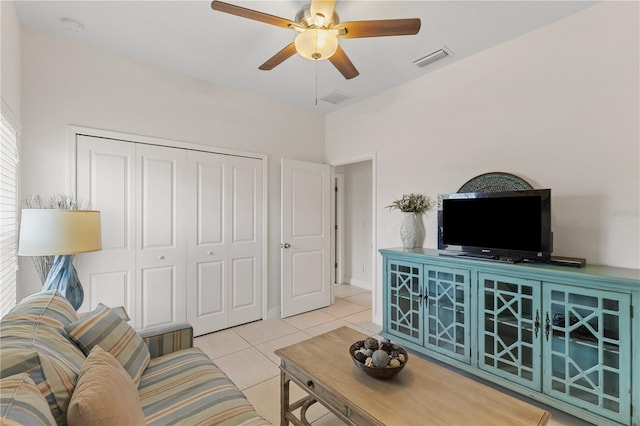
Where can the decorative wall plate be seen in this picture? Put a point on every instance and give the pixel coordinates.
(495, 182)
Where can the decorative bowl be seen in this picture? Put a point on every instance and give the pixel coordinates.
(393, 351)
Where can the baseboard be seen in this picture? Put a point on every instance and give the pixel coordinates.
(366, 285)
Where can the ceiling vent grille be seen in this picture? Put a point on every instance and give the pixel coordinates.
(336, 97)
(431, 58)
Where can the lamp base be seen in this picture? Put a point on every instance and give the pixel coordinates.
(63, 277)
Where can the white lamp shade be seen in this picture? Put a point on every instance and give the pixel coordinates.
(47, 232)
(316, 44)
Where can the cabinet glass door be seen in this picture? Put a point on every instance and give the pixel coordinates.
(447, 311)
(509, 326)
(404, 300)
(587, 349)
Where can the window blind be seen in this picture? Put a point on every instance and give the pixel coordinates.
(8, 215)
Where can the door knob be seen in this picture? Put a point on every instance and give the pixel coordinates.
(209, 253)
(160, 257)
(286, 245)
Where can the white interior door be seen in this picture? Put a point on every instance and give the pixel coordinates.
(105, 179)
(160, 236)
(306, 237)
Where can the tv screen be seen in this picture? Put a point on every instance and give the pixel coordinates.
(513, 224)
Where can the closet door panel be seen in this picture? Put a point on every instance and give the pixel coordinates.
(159, 289)
(245, 245)
(210, 293)
(105, 180)
(161, 183)
(158, 207)
(207, 259)
(209, 184)
(243, 280)
(109, 288)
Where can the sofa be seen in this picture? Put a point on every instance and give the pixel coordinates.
(59, 368)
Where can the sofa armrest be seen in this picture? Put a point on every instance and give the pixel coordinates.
(165, 340)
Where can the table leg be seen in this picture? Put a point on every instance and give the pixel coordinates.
(284, 398)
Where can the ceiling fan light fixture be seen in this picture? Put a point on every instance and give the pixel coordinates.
(316, 44)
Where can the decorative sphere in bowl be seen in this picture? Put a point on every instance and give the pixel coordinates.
(379, 359)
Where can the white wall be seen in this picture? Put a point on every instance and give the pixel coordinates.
(558, 106)
(67, 83)
(357, 226)
(10, 45)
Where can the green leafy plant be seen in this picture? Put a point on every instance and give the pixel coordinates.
(412, 203)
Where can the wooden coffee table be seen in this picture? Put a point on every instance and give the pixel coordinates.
(422, 393)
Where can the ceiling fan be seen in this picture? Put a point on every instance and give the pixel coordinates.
(319, 28)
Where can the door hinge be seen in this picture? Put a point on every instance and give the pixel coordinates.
(336, 227)
(336, 188)
(336, 265)
(631, 311)
(631, 411)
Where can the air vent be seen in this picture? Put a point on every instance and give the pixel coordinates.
(336, 97)
(431, 58)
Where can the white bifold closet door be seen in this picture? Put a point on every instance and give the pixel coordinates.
(161, 227)
(224, 277)
(181, 233)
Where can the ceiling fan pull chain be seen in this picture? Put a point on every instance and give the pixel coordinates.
(316, 83)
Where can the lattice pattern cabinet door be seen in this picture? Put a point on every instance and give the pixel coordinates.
(404, 292)
(587, 349)
(447, 311)
(509, 341)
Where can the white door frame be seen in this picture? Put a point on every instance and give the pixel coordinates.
(73, 131)
(338, 227)
(376, 314)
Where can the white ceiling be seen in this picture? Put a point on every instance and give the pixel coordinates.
(188, 37)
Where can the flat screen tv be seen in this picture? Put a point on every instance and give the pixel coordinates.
(510, 226)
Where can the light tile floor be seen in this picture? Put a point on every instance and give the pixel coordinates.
(245, 353)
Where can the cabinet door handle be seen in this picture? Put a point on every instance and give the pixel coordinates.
(537, 323)
(547, 327)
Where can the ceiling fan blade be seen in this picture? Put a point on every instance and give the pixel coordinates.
(341, 61)
(379, 28)
(287, 52)
(324, 8)
(252, 14)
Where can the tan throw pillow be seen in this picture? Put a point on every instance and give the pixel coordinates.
(105, 394)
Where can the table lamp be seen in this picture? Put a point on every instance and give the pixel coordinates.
(63, 233)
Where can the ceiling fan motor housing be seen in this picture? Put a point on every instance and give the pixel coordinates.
(307, 20)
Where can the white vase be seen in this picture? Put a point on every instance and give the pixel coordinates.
(409, 230)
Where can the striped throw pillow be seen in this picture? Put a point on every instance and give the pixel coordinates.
(105, 328)
(47, 307)
(21, 403)
(17, 361)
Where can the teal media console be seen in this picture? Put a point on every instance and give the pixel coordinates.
(567, 337)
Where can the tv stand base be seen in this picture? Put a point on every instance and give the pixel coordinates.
(487, 257)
